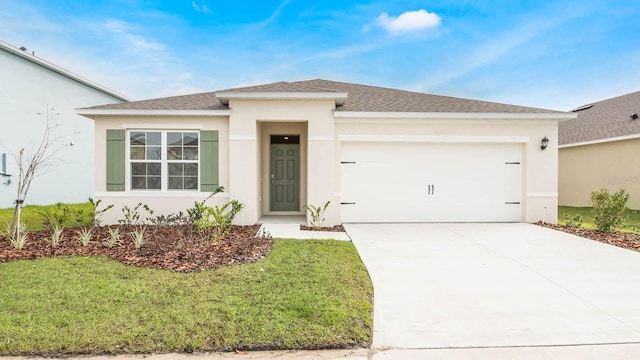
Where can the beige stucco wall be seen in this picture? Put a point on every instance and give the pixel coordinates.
(161, 202)
(252, 121)
(540, 168)
(611, 165)
(244, 154)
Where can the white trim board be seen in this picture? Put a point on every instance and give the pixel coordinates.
(452, 115)
(435, 138)
(88, 112)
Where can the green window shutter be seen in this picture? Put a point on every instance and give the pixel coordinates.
(208, 161)
(115, 160)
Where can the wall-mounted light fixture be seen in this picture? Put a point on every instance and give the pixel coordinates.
(544, 143)
(633, 116)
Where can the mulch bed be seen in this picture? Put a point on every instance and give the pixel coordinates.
(337, 228)
(625, 240)
(177, 247)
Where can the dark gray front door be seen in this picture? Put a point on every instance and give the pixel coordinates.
(285, 177)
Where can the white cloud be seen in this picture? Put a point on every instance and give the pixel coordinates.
(202, 9)
(135, 41)
(409, 21)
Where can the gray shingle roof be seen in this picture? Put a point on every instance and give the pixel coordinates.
(602, 120)
(379, 99)
(360, 98)
(200, 101)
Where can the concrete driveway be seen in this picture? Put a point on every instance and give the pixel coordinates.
(497, 285)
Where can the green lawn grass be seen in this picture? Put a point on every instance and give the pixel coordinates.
(303, 295)
(32, 215)
(633, 216)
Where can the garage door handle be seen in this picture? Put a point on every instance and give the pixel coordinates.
(431, 189)
(347, 203)
(513, 203)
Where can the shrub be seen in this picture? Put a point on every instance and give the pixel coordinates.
(197, 212)
(59, 215)
(572, 220)
(218, 219)
(609, 209)
(317, 213)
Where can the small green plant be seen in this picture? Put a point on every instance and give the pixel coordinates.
(84, 235)
(317, 214)
(97, 213)
(131, 216)
(224, 221)
(609, 209)
(56, 235)
(113, 239)
(18, 239)
(573, 220)
(197, 212)
(137, 237)
(216, 219)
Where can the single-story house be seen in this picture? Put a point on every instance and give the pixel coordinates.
(598, 150)
(30, 85)
(378, 154)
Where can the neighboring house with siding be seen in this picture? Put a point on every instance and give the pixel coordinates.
(600, 149)
(378, 154)
(30, 85)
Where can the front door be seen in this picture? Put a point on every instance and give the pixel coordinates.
(285, 174)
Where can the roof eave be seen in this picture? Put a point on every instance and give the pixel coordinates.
(452, 115)
(225, 96)
(53, 67)
(92, 113)
(600, 141)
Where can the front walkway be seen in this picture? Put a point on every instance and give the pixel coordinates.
(496, 285)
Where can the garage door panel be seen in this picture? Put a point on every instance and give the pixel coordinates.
(419, 182)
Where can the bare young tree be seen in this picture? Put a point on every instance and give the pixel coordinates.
(34, 163)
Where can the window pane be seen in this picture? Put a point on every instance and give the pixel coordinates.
(153, 183)
(191, 169)
(174, 139)
(191, 183)
(190, 153)
(174, 153)
(153, 169)
(191, 139)
(154, 153)
(137, 138)
(138, 182)
(138, 169)
(175, 183)
(153, 138)
(137, 153)
(176, 169)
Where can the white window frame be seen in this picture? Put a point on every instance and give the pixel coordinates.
(164, 162)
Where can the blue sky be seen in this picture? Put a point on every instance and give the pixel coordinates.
(552, 54)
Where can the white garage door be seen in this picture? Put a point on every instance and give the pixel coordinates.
(431, 182)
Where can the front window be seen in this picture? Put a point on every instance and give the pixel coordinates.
(164, 160)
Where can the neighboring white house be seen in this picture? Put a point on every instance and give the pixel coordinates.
(378, 154)
(30, 85)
